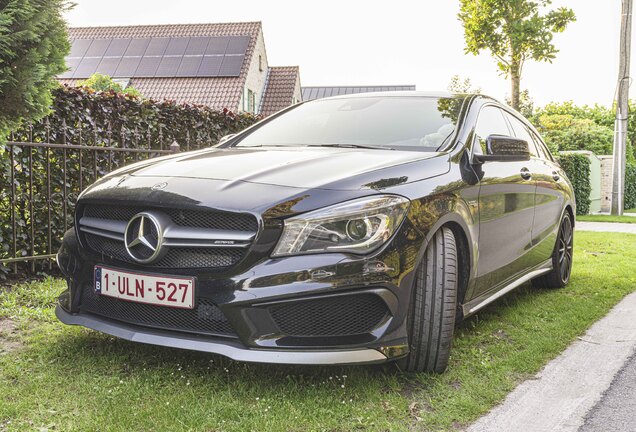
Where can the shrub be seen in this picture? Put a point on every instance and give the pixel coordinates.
(577, 168)
(104, 83)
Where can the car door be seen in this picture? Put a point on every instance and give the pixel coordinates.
(506, 208)
(550, 200)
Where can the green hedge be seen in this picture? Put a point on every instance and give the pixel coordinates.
(103, 119)
(630, 186)
(577, 168)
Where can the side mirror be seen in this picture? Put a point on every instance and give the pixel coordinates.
(505, 149)
(226, 138)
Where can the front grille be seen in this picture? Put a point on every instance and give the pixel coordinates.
(182, 217)
(176, 257)
(185, 258)
(205, 318)
(346, 315)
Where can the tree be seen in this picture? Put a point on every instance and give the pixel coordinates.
(99, 82)
(33, 44)
(514, 31)
(459, 85)
(526, 104)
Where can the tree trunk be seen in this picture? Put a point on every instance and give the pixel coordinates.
(515, 81)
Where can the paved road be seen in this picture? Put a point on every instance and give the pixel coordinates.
(629, 228)
(561, 395)
(616, 411)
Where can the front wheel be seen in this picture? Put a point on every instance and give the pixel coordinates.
(559, 276)
(431, 319)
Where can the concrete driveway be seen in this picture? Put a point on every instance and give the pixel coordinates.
(629, 228)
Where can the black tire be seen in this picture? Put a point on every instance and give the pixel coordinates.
(431, 319)
(559, 276)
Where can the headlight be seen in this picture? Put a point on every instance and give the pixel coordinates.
(358, 226)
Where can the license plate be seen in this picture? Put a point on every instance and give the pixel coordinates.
(177, 292)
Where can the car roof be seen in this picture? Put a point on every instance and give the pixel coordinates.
(405, 93)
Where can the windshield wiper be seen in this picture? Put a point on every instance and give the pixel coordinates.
(352, 146)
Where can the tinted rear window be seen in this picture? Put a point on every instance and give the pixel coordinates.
(394, 122)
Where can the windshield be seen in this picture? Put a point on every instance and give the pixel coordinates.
(394, 122)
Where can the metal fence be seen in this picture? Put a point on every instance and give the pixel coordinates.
(43, 171)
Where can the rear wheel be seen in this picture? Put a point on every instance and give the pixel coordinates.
(559, 276)
(431, 318)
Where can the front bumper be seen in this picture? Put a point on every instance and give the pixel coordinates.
(295, 310)
(231, 349)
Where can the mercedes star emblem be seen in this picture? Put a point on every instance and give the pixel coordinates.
(143, 237)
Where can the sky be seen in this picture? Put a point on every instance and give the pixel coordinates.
(352, 42)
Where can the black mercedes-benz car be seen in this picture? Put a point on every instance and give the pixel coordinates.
(354, 229)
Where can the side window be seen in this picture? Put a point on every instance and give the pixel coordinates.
(490, 122)
(543, 149)
(521, 131)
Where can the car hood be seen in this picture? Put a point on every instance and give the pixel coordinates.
(298, 167)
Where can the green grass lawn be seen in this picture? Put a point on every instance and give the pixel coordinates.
(630, 210)
(67, 378)
(606, 218)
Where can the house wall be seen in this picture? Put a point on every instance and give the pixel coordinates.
(607, 163)
(298, 93)
(256, 78)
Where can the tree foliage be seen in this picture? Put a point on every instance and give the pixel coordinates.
(99, 82)
(458, 84)
(514, 31)
(33, 44)
(566, 126)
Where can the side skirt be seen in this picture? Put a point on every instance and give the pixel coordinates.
(474, 305)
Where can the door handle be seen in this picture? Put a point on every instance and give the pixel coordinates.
(525, 174)
(555, 176)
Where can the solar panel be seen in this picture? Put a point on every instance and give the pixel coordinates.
(137, 47)
(87, 67)
(79, 47)
(156, 47)
(210, 66)
(237, 45)
(117, 48)
(189, 66)
(168, 67)
(197, 45)
(72, 64)
(217, 45)
(108, 65)
(176, 46)
(98, 48)
(127, 67)
(147, 67)
(231, 66)
(160, 57)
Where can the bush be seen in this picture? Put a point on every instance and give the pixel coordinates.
(99, 82)
(99, 119)
(577, 168)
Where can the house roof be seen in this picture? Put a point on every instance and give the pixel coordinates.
(310, 93)
(281, 86)
(215, 92)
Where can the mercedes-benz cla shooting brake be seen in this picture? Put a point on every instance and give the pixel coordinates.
(353, 229)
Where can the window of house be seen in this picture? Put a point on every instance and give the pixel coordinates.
(251, 101)
(260, 63)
